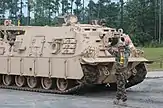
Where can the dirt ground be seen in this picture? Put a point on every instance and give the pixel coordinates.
(148, 94)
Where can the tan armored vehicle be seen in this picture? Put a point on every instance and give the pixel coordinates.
(63, 59)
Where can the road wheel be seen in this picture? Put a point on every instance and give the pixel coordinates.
(20, 81)
(62, 84)
(46, 83)
(7, 80)
(32, 82)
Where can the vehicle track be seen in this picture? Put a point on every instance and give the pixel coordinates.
(89, 78)
(69, 91)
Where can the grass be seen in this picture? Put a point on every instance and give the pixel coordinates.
(155, 54)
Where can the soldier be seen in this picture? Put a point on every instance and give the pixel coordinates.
(103, 22)
(11, 38)
(121, 51)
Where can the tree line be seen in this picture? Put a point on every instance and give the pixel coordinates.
(141, 19)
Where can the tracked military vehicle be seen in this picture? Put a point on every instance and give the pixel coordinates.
(63, 59)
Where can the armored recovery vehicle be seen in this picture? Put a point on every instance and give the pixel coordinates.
(63, 59)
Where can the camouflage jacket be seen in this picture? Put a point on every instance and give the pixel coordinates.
(114, 51)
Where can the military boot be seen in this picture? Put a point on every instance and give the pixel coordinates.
(116, 101)
(124, 103)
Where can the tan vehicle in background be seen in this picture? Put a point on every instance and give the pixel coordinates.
(63, 59)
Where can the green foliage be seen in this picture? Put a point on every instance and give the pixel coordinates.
(104, 9)
(140, 21)
(65, 6)
(78, 9)
(155, 54)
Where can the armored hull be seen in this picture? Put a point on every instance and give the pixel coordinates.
(62, 59)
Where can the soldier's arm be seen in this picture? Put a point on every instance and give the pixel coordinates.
(113, 51)
(128, 51)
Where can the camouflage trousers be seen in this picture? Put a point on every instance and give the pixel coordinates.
(121, 82)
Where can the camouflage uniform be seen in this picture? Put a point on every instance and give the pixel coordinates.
(120, 70)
